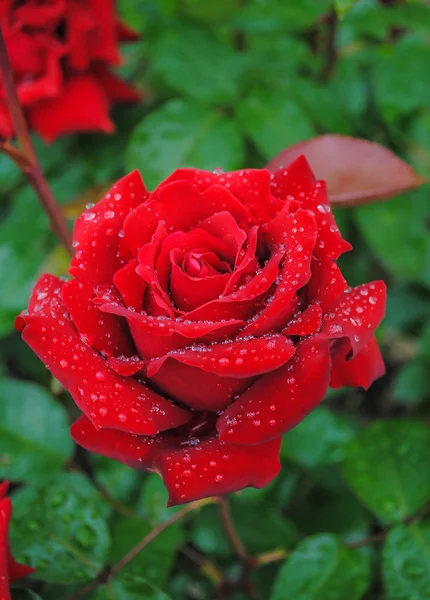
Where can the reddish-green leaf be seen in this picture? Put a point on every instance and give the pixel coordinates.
(356, 171)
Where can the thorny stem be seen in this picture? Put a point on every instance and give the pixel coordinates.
(26, 157)
(109, 573)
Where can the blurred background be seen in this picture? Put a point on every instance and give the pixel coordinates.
(229, 84)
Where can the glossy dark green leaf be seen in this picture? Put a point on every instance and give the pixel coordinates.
(156, 560)
(412, 383)
(320, 568)
(388, 468)
(273, 121)
(320, 439)
(406, 562)
(153, 500)
(60, 529)
(129, 588)
(183, 135)
(191, 60)
(343, 6)
(34, 432)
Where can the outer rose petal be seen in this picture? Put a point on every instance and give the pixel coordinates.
(115, 88)
(208, 391)
(307, 322)
(108, 399)
(82, 105)
(96, 238)
(190, 471)
(326, 283)
(130, 285)
(354, 316)
(294, 180)
(361, 371)
(281, 399)
(242, 357)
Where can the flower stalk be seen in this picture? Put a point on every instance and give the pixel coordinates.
(25, 156)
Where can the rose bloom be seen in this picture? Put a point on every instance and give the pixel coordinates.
(61, 52)
(204, 320)
(10, 570)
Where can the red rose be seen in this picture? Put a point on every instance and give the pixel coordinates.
(204, 320)
(10, 570)
(61, 51)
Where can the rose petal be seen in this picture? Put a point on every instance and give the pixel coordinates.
(188, 292)
(82, 105)
(106, 398)
(208, 391)
(115, 88)
(242, 357)
(96, 238)
(126, 365)
(155, 336)
(190, 471)
(212, 467)
(326, 283)
(361, 371)
(354, 316)
(291, 179)
(307, 322)
(130, 285)
(252, 188)
(179, 205)
(281, 399)
(295, 274)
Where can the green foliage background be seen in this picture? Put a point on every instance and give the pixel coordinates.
(229, 84)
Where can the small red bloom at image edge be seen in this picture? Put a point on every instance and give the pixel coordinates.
(61, 53)
(204, 320)
(10, 570)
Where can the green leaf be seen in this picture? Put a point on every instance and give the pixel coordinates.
(406, 562)
(320, 568)
(388, 467)
(60, 529)
(129, 588)
(156, 560)
(183, 135)
(34, 432)
(24, 594)
(119, 479)
(191, 61)
(272, 121)
(397, 76)
(10, 175)
(154, 500)
(320, 439)
(398, 236)
(209, 12)
(343, 6)
(272, 16)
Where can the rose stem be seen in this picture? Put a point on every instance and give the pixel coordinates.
(108, 573)
(27, 159)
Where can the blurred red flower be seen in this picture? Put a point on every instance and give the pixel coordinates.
(61, 52)
(204, 320)
(10, 570)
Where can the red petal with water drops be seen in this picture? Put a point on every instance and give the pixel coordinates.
(252, 188)
(126, 365)
(278, 401)
(96, 238)
(296, 272)
(106, 398)
(325, 284)
(189, 293)
(179, 205)
(242, 357)
(361, 371)
(212, 468)
(130, 285)
(306, 323)
(291, 181)
(208, 391)
(354, 316)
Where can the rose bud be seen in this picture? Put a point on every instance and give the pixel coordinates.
(204, 320)
(61, 52)
(10, 570)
